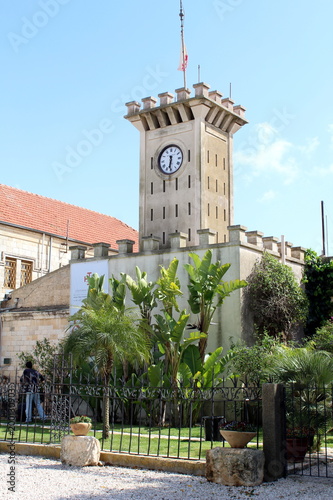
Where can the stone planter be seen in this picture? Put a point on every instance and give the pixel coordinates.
(237, 439)
(80, 428)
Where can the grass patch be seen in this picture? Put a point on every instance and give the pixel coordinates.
(187, 443)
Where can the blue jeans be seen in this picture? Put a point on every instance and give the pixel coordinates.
(29, 398)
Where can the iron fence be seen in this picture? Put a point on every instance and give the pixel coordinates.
(156, 421)
(133, 417)
(309, 429)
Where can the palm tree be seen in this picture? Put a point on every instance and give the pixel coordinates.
(107, 335)
(308, 375)
(303, 366)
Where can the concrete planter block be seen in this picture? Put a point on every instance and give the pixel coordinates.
(235, 467)
(80, 450)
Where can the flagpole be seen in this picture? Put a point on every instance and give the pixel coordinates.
(182, 15)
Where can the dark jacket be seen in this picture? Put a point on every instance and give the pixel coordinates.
(31, 380)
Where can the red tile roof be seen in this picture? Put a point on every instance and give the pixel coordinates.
(39, 213)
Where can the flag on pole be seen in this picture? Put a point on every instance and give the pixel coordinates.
(183, 58)
(183, 52)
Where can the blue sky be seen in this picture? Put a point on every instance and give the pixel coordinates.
(69, 67)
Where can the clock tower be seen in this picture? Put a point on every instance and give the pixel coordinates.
(186, 172)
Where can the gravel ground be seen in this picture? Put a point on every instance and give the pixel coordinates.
(47, 479)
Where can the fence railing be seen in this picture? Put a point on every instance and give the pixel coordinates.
(182, 423)
(157, 421)
(309, 428)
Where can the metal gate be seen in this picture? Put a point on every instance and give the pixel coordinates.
(309, 430)
(58, 393)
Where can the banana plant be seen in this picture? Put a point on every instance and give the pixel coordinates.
(202, 376)
(207, 291)
(172, 343)
(213, 369)
(142, 292)
(169, 287)
(118, 293)
(96, 297)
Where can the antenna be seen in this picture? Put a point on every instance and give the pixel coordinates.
(230, 91)
(328, 252)
(67, 235)
(183, 53)
(199, 73)
(323, 227)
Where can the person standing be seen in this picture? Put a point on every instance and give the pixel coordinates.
(31, 380)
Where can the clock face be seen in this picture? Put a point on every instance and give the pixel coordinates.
(170, 159)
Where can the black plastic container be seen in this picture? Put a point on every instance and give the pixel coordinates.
(211, 426)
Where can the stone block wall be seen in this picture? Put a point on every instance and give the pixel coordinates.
(20, 329)
(36, 311)
(46, 252)
(50, 290)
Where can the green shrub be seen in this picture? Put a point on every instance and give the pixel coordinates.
(275, 298)
(323, 338)
(251, 363)
(318, 280)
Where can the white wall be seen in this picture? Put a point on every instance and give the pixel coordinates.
(230, 319)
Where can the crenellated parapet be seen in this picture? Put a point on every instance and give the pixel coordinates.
(170, 110)
(238, 236)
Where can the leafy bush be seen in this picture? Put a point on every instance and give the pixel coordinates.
(323, 338)
(42, 356)
(275, 298)
(250, 363)
(318, 280)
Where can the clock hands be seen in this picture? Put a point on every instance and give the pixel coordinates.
(170, 162)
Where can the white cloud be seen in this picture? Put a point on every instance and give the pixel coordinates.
(330, 129)
(266, 153)
(268, 196)
(265, 133)
(311, 146)
(323, 172)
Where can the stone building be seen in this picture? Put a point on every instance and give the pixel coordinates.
(186, 167)
(186, 205)
(41, 308)
(36, 232)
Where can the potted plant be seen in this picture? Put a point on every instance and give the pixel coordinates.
(80, 425)
(299, 440)
(308, 375)
(238, 434)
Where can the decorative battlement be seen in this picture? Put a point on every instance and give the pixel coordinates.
(238, 235)
(221, 113)
(78, 252)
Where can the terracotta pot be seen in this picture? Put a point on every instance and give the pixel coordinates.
(81, 428)
(296, 448)
(237, 439)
